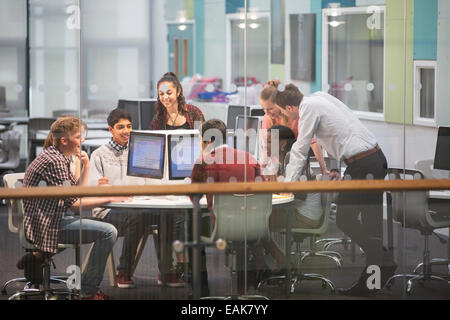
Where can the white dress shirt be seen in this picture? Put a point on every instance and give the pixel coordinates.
(335, 127)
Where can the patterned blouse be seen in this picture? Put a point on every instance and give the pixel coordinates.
(42, 217)
(192, 114)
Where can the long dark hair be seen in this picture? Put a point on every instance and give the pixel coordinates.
(161, 111)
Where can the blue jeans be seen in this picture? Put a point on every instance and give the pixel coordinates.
(103, 235)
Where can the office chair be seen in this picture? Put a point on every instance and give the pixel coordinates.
(34, 125)
(15, 210)
(10, 144)
(411, 210)
(298, 235)
(240, 217)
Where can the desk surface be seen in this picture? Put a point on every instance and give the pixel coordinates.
(178, 202)
(440, 194)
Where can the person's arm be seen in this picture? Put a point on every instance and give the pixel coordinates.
(85, 167)
(94, 202)
(96, 170)
(317, 149)
(307, 126)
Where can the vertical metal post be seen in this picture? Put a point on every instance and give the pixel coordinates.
(196, 263)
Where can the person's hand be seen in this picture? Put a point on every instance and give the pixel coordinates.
(334, 175)
(271, 178)
(84, 158)
(103, 181)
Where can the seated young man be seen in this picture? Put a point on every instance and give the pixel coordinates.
(52, 221)
(109, 167)
(219, 163)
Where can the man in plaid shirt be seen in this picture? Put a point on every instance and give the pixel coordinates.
(52, 221)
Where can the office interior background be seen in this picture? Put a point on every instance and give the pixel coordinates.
(388, 60)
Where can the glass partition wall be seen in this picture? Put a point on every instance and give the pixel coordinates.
(257, 91)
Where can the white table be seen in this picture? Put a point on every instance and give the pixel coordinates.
(175, 203)
(440, 194)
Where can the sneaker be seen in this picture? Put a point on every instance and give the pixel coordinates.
(124, 281)
(173, 280)
(99, 295)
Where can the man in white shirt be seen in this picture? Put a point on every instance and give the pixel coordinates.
(345, 138)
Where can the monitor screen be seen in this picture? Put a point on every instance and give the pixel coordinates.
(252, 122)
(442, 155)
(132, 107)
(231, 139)
(146, 155)
(184, 150)
(233, 112)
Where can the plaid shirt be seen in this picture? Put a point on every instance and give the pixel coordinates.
(117, 146)
(192, 114)
(42, 217)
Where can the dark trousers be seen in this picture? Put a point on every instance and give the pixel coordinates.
(132, 225)
(360, 214)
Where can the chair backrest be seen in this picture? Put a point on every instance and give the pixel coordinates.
(327, 207)
(240, 216)
(426, 166)
(15, 209)
(410, 208)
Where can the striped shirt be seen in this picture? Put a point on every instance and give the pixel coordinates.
(42, 217)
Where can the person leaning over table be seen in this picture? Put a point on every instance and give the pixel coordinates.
(51, 221)
(306, 209)
(275, 115)
(219, 163)
(109, 167)
(345, 138)
(173, 113)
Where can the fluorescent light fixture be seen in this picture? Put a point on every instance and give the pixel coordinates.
(335, 23)
(182, 27)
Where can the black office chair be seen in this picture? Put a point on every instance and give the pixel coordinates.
(411, 210)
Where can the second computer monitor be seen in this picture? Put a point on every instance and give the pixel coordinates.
(183, 151)
(442, 155)
(146, 155)
(233, 112)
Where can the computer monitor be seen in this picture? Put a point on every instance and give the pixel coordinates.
(148, 111)
(233, 112)
(146, 155)
(252, 122)
(183, 151)
(231, 139)
(252, 135)
(442, 155)
(132, 107)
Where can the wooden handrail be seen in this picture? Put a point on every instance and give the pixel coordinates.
(227, 188)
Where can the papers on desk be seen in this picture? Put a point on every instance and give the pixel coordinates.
(281, 196)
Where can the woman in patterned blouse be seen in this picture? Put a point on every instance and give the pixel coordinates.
(172, 112)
